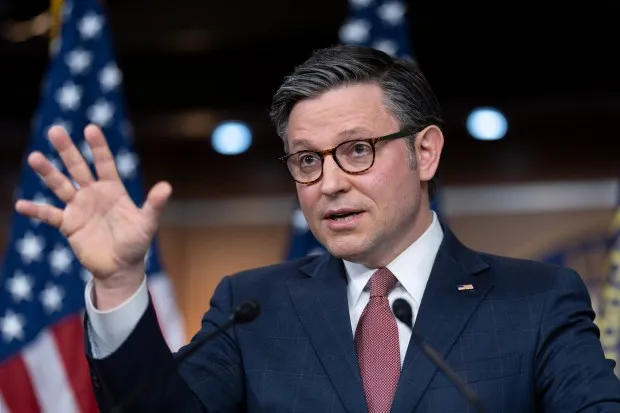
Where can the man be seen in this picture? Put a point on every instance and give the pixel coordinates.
(363, 141)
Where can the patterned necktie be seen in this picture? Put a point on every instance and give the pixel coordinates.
(377, 345)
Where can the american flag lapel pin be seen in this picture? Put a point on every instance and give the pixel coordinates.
(465, 287)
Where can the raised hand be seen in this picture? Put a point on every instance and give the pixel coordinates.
(109, 234)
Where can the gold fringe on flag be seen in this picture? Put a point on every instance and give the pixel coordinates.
(55, 18)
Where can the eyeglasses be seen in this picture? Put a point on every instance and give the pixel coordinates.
(353, 157)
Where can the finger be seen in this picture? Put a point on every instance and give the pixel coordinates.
(55, 180)
(156, 200)
(70, 155)
(102, 156)
(46, 213)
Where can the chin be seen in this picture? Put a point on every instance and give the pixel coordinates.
(346, 248)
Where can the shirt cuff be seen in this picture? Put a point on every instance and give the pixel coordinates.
(109, 329)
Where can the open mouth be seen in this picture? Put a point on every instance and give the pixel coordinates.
(344, 216)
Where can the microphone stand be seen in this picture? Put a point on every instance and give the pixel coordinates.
(402, 311)
(246, 312)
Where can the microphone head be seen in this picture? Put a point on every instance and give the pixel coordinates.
(247, 311)
(403, 312)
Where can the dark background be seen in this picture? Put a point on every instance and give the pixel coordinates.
(550, 67)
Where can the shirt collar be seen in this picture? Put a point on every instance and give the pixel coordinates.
(411, 268)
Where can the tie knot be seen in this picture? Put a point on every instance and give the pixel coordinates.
(382, 282)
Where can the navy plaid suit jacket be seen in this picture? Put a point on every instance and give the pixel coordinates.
(523, 338)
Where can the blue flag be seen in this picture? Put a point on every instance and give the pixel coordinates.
(380, 24)
(42, 283)
(302, 240)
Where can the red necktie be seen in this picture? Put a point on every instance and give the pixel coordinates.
(377, 345)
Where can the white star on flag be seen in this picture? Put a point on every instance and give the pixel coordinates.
(30, 247)
(392, 13)
(12, 326)
(126, 163)
(101, 112)
(69, 96)
(86, 151)
(51, 298)
(66, 125)
(90, 25)
(56, 164)
(60, 260)
(39, 199)
(85, 275)
(110, 77)
(20, 286)
(78, 60)
(355, 31)
(387, 46)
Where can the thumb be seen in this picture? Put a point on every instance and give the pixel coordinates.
(156, 201)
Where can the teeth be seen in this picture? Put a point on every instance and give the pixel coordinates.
(344, 218)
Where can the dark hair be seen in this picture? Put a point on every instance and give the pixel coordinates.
(408, 94)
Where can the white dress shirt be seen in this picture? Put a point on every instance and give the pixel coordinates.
(110, 328)
(411, 268)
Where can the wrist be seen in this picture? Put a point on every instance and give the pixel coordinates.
(117, 288)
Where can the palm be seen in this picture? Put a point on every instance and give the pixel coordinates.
(106, 230)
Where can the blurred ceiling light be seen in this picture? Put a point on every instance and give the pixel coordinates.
(231, 138)
(487, 124)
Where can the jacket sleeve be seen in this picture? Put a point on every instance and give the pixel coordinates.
(572, 374)
(209, 380)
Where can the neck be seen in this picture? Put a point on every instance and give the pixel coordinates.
(384, 256)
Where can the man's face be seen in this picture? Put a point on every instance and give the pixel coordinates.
(381, 208)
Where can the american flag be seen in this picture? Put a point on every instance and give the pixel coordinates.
(42, 360)
(381, 24)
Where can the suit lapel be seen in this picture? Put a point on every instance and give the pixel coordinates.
(443, 314)
(322, 305)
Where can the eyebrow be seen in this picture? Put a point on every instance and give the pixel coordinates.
(297, 143)
(354, 131)
(346, 133)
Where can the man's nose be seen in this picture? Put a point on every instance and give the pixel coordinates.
(334, 179)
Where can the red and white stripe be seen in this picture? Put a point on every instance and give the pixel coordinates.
(51, 374)
(170, 320)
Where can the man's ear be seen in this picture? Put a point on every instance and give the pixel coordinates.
(428, 145)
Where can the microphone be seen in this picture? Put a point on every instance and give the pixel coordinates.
(246, 312)
(402, 311)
